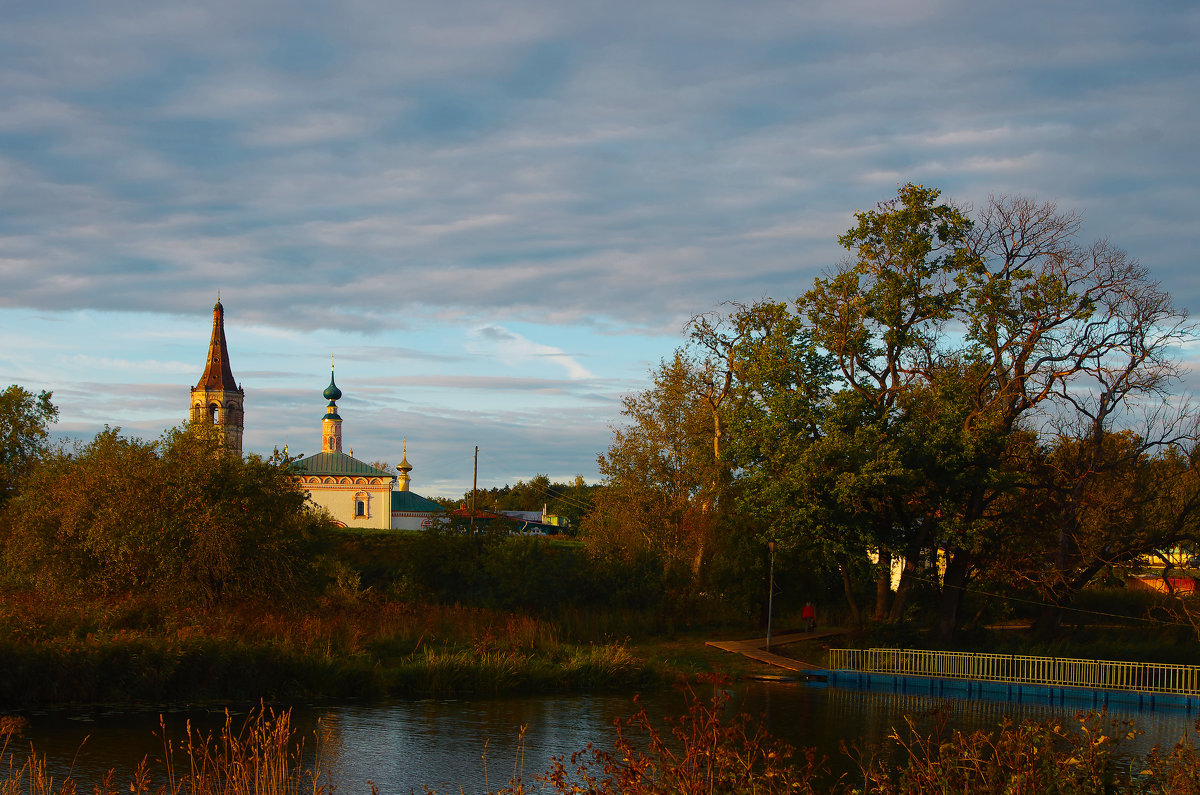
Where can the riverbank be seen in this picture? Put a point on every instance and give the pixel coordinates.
(134, 651)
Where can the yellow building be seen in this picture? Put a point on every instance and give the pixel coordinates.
(357, 494)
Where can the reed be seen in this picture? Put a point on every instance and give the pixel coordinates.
(262, 756)
(119, 650)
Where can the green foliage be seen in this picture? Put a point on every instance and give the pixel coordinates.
(958, 390)
(182, 518)
(1029, 757)
(529, 574)
(24, 421)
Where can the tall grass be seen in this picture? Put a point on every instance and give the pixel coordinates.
(129, 650)
(263, 756)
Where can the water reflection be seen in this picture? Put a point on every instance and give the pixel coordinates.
(407, 746)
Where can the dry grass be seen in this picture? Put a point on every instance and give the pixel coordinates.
(263, 756)
(134, 650)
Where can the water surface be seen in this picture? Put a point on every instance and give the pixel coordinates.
(447, 744)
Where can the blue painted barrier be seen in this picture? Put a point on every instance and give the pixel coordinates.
(1095, 698)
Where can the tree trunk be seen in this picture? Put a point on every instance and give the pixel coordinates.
(848, 587)
(698, 558)
(912, 558)
(953, 587)
(883, 585)
(1048, 622)
(907, 575)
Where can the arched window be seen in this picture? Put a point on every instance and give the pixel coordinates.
(360, 505)
(213, 409)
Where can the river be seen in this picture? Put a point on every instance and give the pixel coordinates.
(406, 746)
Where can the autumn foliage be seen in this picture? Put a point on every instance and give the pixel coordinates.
(181, 517)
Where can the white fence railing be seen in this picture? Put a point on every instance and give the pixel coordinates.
(1022, 669)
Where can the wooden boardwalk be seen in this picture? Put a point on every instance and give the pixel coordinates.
(755, 649)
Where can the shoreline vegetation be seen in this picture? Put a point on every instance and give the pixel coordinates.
(357, 642)
(132, 653)
(708, 748)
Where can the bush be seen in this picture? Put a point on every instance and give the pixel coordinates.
(182, 518)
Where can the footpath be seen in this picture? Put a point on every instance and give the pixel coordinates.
(756, 649)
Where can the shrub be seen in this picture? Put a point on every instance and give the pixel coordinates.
(182, 518)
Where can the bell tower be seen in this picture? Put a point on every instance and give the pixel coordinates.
(217, 399)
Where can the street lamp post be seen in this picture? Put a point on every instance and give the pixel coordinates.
(770, 593)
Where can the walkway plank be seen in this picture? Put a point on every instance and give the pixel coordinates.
(755, 649)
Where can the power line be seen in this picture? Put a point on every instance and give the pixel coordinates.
(545, 491)
(1039, 603)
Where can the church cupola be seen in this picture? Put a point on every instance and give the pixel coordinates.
(404, 467)
(331, 423)
(217, 399)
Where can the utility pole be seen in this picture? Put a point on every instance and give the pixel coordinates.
(474, 488)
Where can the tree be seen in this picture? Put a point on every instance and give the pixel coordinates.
(772, 421)
(964, 335)
(182, 517)
(24, 421)
(951, 373)
(660, 474)
(1089, 509)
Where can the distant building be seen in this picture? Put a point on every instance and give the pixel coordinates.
(537, 521)
(357, 494)
(1156, 582)
(217, 399)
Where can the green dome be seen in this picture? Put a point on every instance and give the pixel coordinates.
(332, 392)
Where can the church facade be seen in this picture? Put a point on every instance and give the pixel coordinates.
(355, 493)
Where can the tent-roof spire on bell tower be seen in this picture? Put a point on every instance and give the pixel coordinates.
(217, 372)
(217, 398)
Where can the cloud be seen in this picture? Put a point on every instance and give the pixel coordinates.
(104, 363)
(550, 188)
(517, 351)
(521, 148)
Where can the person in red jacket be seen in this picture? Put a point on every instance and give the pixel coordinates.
(809, 615)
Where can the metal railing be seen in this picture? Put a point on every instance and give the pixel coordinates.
(1022, 669)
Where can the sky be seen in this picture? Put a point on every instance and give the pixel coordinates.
(495, 218)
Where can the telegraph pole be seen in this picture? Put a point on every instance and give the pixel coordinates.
(474, 488)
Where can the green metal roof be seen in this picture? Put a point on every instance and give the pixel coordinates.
(336, 464)
(411, 501)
